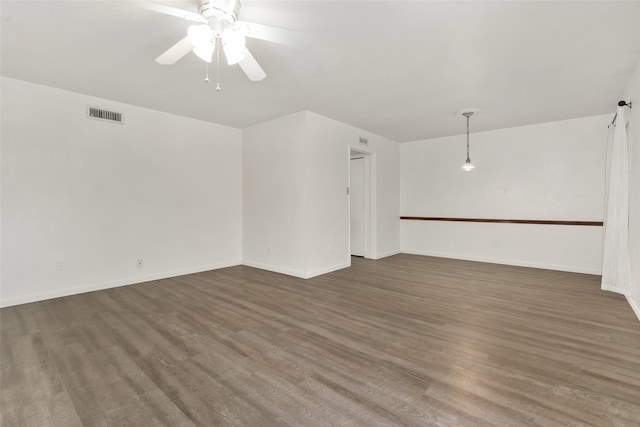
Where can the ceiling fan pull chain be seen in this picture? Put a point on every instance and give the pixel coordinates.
(206, 75)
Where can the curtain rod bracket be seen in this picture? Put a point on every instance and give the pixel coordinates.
(622, 103)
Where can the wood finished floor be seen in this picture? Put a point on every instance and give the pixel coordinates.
(406, 340)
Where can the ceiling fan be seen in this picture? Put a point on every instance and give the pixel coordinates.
(217, 28)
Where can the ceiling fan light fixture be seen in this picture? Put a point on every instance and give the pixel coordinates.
(201, 37)
(233, 42)
(208, 39)
(200, 34)
(205, 51)
(234, 54)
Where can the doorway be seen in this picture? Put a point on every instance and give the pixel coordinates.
(357, 206)
(361, 212)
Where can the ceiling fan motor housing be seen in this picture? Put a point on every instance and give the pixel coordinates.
(228, 10)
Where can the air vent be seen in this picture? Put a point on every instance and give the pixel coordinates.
(364, 141)
(104, 115)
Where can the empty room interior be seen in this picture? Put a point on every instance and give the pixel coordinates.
(320, 213)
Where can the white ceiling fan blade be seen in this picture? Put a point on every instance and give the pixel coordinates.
(269, 33)
(251, 67)
(173, 11)
(175, 52)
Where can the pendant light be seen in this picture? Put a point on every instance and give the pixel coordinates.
(468, 166)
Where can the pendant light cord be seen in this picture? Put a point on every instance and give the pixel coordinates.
(468, 166)
(468, 158)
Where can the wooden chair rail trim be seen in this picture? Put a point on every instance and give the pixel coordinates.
(504, 221)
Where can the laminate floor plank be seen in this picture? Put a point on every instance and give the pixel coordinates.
(402, 341)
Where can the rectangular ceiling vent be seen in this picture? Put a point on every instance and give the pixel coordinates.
(364, 141)
(104, 115)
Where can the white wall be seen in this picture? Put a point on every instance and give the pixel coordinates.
(274, 195)
(170, 190)
(633, 93)
(296, 210)
(327, 210)
(328, 134)
(552, 171)
(97, 196)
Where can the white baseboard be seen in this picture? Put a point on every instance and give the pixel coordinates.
(614, 290)
(635, 306)
(543, 266)
(41, 296)
(297, 273)
(386, 254)
(287, 271)
(328, 269)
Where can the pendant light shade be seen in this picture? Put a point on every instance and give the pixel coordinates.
(468, 166)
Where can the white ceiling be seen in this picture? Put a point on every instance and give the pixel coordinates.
(400, 69)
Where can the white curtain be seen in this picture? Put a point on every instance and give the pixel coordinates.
(615, 254)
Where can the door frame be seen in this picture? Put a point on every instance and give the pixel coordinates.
(369, 200)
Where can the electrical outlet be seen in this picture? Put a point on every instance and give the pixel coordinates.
(139, 263)
(60, 265)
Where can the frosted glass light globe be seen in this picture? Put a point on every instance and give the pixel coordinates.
(468, 167)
